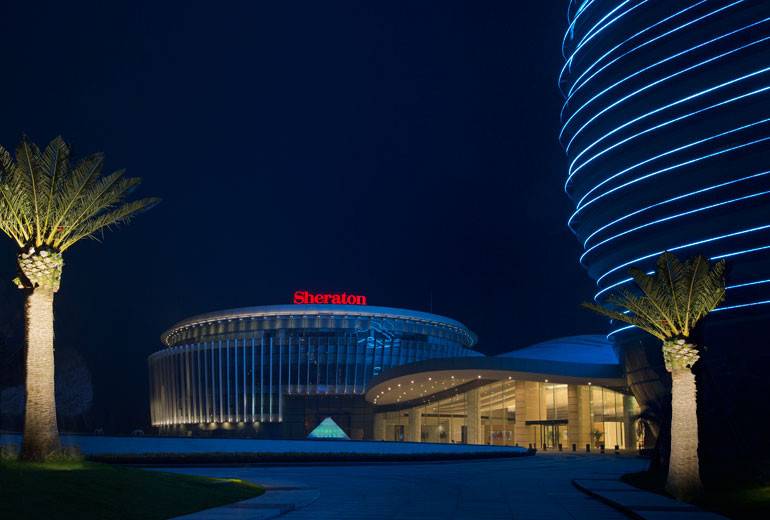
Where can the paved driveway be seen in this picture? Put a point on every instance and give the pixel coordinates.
(538, 487)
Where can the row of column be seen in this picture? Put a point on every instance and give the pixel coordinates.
(529, 405)
(414, 424)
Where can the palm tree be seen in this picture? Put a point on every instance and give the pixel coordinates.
(47, 204)
(672, 303)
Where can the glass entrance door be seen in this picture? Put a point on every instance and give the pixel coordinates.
(548, 433)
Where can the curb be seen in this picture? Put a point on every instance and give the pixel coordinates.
(639, 504)
(276, 501)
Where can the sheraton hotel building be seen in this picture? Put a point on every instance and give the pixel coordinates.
(382, 374)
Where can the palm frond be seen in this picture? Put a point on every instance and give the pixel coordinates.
(658, 296)
(81, 178)
(11, 201)
(669, 270)
(709, 291)
(121, 214)
(100, 197)
(44, 200)
(54, 163)
(674, 299)
(631, 319)
(30, 183)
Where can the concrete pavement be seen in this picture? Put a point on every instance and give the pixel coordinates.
(640, 504)
(538, 487)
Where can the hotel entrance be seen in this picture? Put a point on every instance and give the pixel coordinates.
(547, 433)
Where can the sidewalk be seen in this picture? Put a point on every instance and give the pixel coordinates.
(277, 500)
(640, 504)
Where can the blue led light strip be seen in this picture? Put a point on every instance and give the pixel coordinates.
(671, 217)
(588, 36)
(564, 40)
(691, 244)
(656, 127)
(571, 26)
(638, 179)
(568, 64)
(577, 86)
(717, 257)
(758, 282)
(646, 87)
(669, 152)
(751, 304)
(678, 197)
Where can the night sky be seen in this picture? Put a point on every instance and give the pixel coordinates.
(393, 149)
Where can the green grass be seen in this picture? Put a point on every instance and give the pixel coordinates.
(751, 502)
(83, 490)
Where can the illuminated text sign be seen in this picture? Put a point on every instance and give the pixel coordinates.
(344, 298)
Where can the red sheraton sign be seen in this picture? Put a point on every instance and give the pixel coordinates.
(344, 298)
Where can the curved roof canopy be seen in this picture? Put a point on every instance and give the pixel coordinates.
(580, 360)
(288, 310)
(593, 349)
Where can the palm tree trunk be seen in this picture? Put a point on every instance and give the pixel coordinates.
(683, 480)
(41, 435)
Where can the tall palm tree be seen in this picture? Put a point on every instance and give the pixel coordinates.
(47, 204)
(672, 303)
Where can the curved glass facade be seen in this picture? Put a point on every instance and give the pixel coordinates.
(519, 413)
(238, 366)
(666, 126)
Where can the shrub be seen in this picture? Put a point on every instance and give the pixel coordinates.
(9, 452)
(66, 454)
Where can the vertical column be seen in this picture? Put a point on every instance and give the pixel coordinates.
(288, 368)
(221, 388)
(414, 428)
(473, 414)
(523, 411)
(579, 411)
(207, 410)
(584, 413)
(186, 384)
(280, 379)
(355, 364)
(271, 387)
(379, 427)
(200, 392)
(235, 376)
(227, 376)
(253, 386)
(243, 379)
(173, 368)
(262, 379)
(628, 424)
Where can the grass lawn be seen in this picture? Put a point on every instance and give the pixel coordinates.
(750, 503)
(83, 490)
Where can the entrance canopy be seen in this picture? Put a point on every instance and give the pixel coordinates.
(577, 360)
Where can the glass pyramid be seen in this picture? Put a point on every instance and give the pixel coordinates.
(328, 429)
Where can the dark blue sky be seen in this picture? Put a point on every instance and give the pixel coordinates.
(392, 149)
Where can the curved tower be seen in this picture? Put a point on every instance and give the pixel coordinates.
(666, 126)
